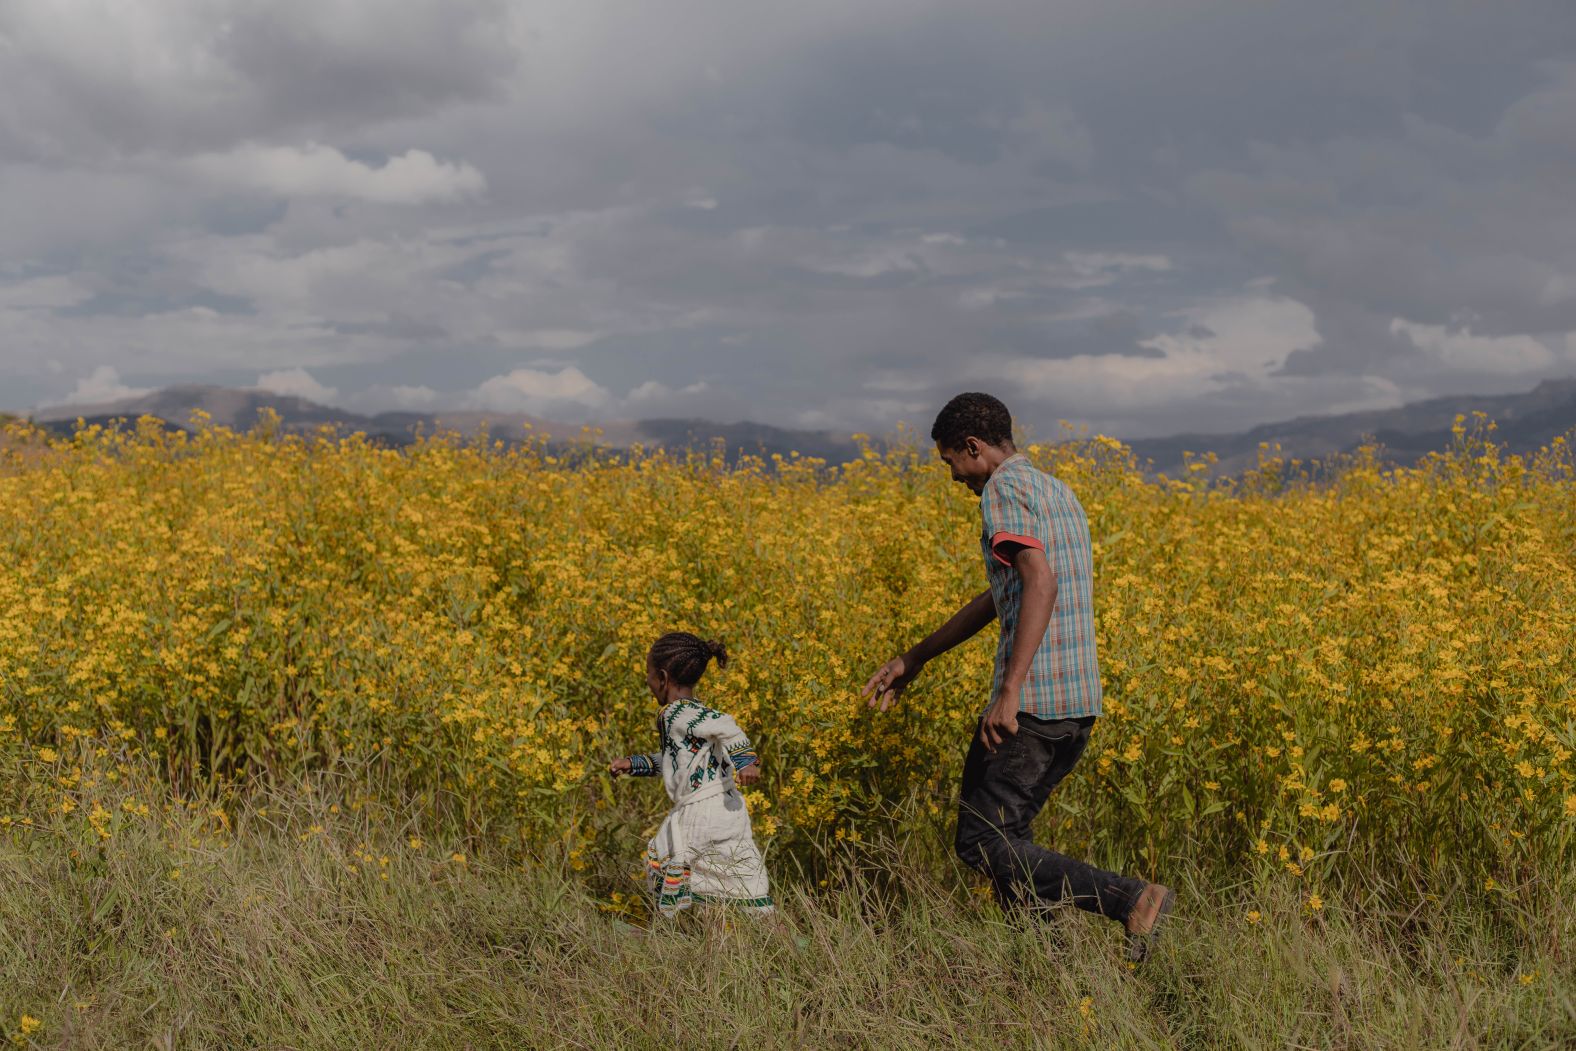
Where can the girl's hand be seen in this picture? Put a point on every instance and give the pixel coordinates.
(749, 775)
(619, 766)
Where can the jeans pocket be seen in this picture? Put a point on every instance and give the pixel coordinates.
(1024, 757)
(1051, 731)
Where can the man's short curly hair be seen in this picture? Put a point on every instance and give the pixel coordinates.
(972, 415)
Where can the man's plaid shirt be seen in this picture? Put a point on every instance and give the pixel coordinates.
(1024, 505)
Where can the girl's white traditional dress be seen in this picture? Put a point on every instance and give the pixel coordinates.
(705, 850)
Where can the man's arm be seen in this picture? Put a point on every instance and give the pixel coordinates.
(893, 677)
(959, 628)
(1034, 616)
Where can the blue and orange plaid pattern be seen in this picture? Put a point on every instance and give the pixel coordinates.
(1021, 504)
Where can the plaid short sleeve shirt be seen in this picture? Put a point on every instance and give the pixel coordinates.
(1024, 505)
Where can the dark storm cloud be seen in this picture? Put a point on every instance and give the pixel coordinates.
(1149, 214)
(86, 80)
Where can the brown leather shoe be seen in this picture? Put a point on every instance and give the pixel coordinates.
(1143, 923)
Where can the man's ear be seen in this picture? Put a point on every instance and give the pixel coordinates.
(972, 447)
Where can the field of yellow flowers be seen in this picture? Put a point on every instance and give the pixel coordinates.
(1377, 666)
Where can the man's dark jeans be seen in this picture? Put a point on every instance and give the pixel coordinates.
(1002, 793)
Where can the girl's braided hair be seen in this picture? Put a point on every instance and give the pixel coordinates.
(684, 656)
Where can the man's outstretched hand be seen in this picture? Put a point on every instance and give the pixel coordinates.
(889, 682)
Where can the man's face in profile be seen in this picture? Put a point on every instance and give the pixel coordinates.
(968, 466)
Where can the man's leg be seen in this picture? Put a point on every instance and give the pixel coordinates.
(1002, 793)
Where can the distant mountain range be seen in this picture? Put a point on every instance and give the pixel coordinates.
(239, 408)
(1526, 422)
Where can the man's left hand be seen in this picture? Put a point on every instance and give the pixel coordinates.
(1001, 720)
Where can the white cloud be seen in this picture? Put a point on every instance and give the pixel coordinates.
(654, 397)
(315, 170)
(1224, 344)
(413, 397)
(1459, 349)
(1252, 334)
(566, 391)
(1373, 392)
(101, 385)
(538, 391)
(297, 382)
(655, 391)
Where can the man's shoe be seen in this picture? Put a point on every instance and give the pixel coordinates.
(1143, 923)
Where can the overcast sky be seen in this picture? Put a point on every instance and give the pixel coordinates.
(1144, 215)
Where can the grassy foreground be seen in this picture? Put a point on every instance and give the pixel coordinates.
(317, 918)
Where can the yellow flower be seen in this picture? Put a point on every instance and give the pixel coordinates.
(422, 582)
(1315, 903)
(1254, 916)
(457, 857)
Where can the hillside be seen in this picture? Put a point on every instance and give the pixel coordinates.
(238, 409)
(1526, 422)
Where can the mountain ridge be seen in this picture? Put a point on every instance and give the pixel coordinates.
(238, 409)
(1525, 422)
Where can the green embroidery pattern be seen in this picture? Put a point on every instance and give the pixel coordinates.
(674, 745)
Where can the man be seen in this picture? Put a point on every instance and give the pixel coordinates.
(1046, 693)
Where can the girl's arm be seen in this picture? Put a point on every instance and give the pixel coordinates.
(637, 765)
(723, 731)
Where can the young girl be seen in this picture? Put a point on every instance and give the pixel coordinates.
(705, 850)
